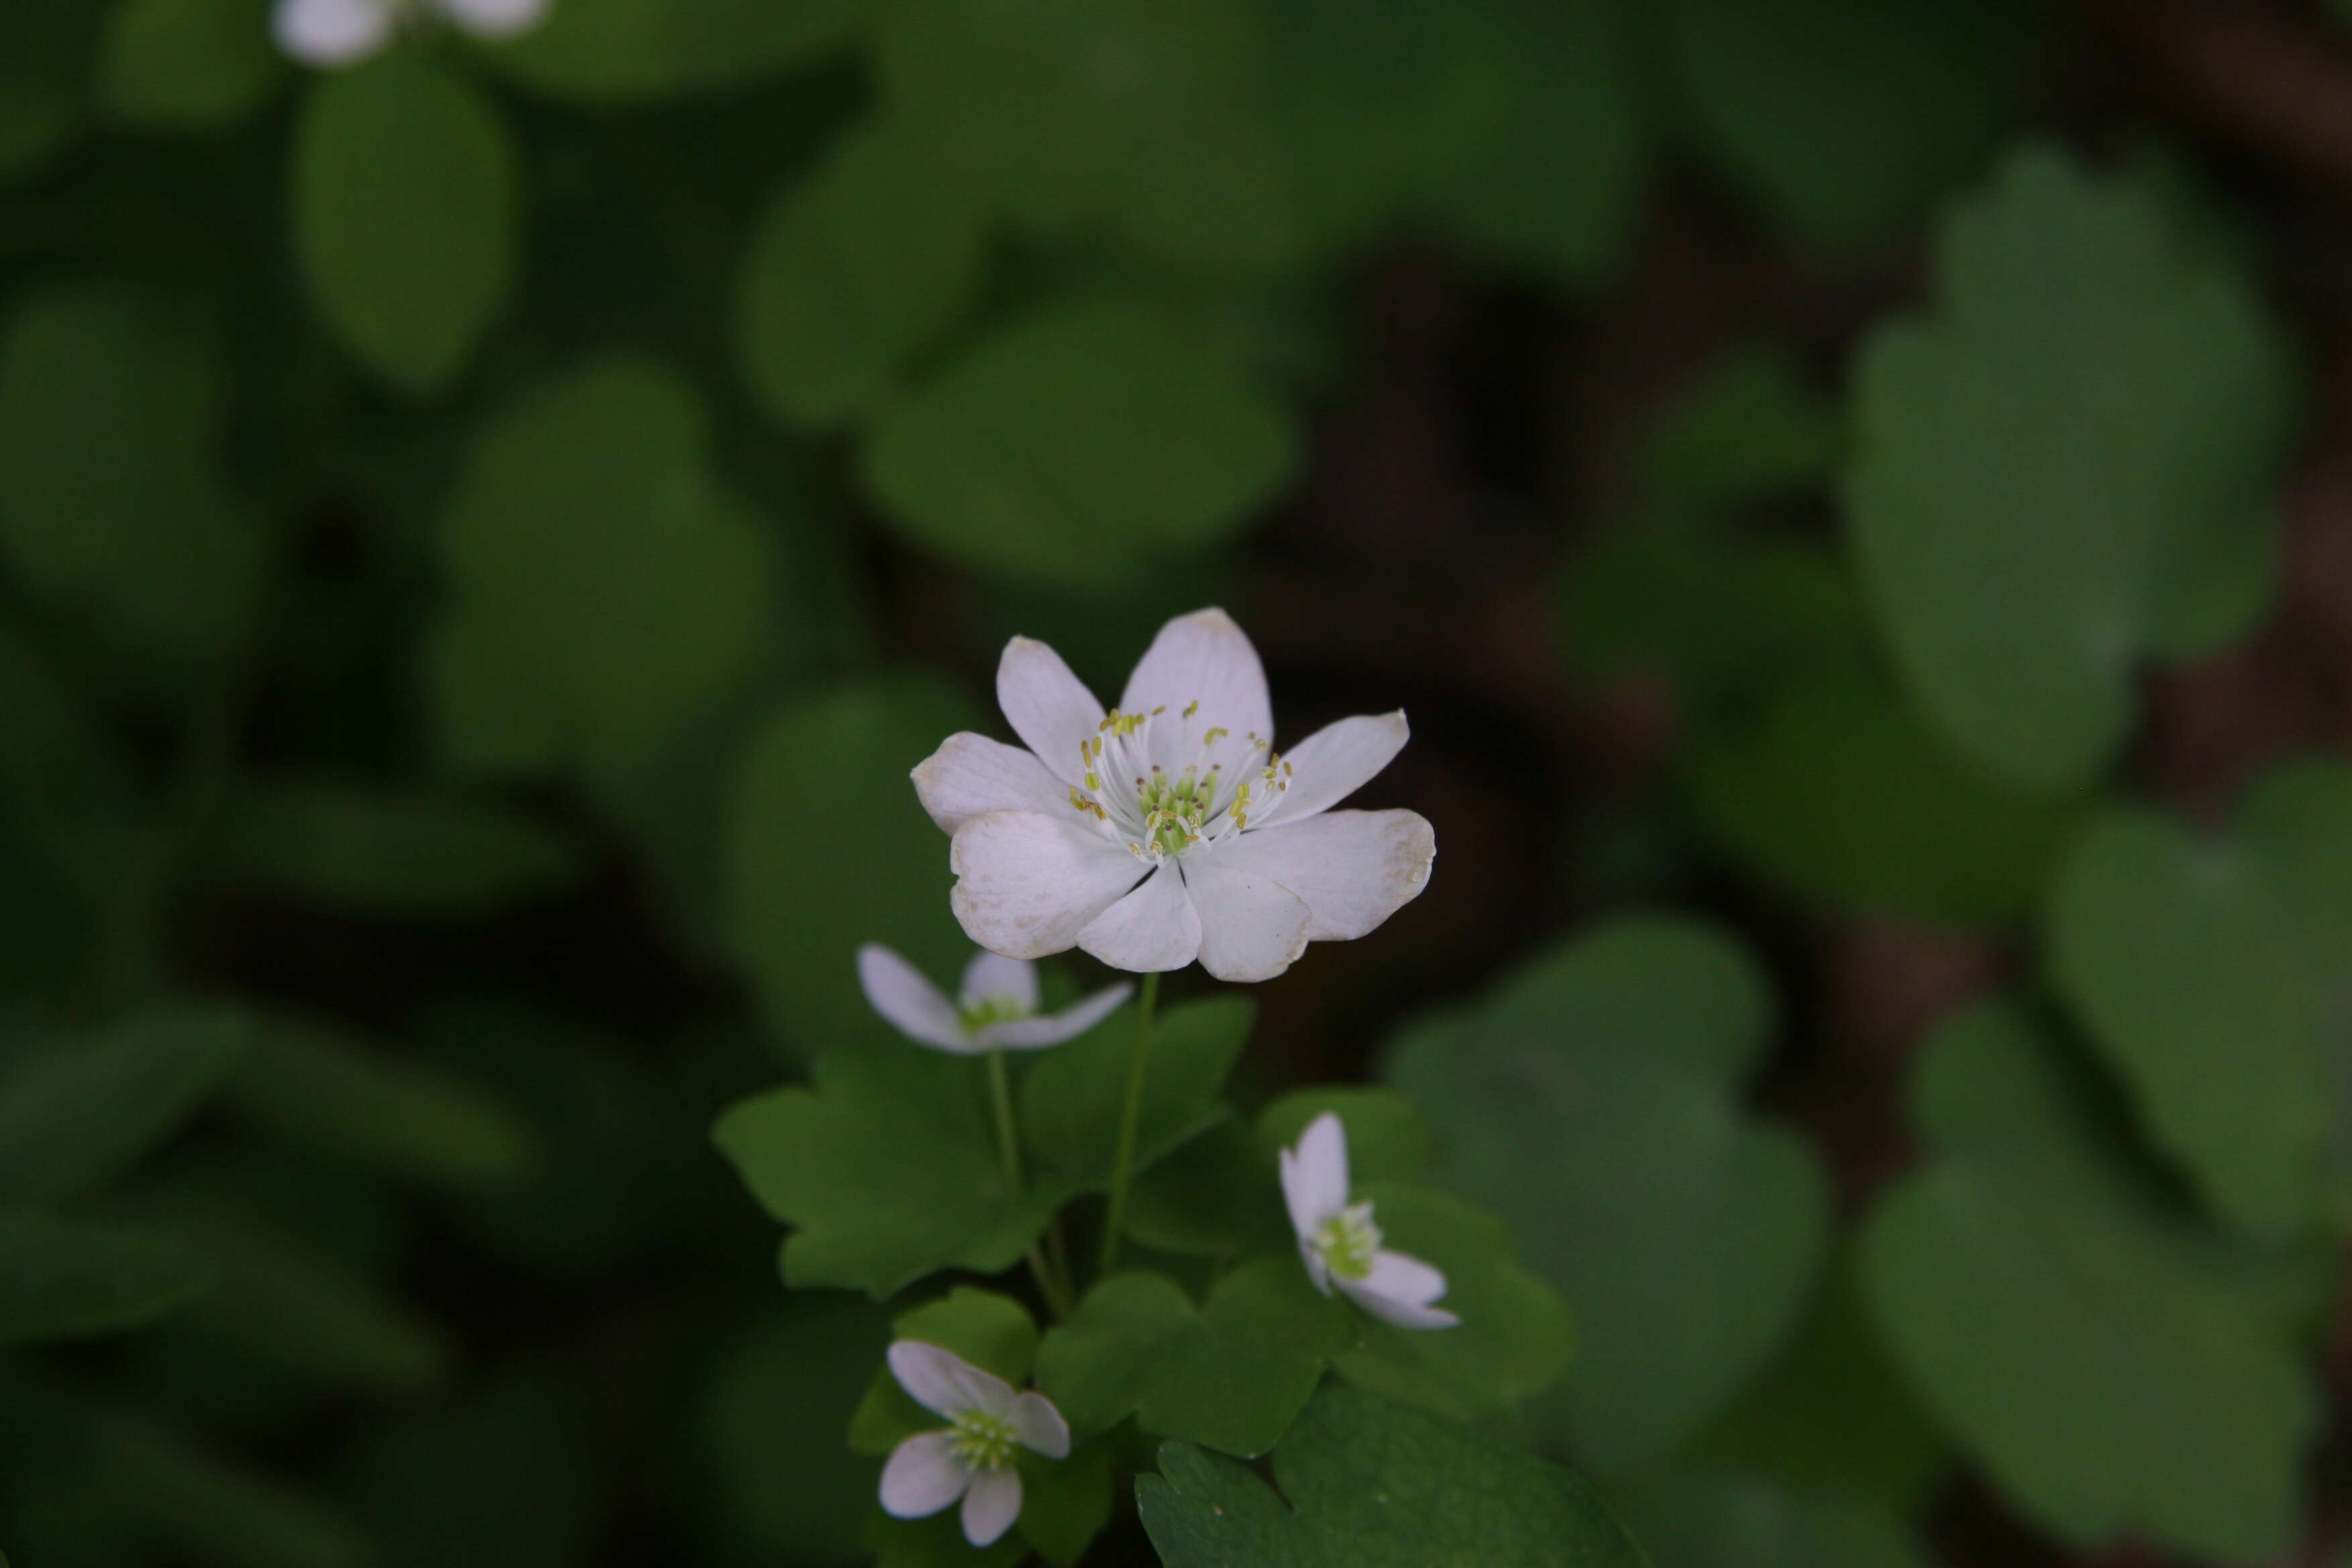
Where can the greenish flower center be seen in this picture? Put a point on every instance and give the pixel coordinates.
(1349, 1241)
(1165, 808)
(977, 1015)
(981, 1442)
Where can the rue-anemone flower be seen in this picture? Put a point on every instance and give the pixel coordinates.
(971, 1458)
(1168, 828)
(994, 1010)
(332, 34)
(1340, 1244)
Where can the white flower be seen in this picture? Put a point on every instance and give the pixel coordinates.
(996, 1009)
(337, 32)
(1169, 828)
(1340, 1243)
(972, 1456)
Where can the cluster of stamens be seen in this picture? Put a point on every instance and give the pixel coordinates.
(981, 1442)
(1348, 1242)
(977, 1015)
(1172, 814)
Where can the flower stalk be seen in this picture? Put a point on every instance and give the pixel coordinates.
(1050, 1284)
(1130, 1113)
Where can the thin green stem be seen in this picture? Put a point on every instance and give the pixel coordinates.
(1115, 1220)
(1050, 1284)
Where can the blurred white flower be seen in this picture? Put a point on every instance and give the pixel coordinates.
(995, 1010)
(332, 34)
(1168, 828)
(972, 1456)
(1340, 1244)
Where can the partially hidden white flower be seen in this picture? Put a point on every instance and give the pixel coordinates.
(1341, 1245)
(971, 1458)
(1168, 828)
(332, 34)
(995, 1009)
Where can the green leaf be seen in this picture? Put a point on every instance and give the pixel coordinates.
(2115, 1371)
(1848, 118)
(993, 1332)
(629, 51)
(829, 848)
(777, 1403)
(1365, 1484)
(1514, 1337)
(406, 211)
(2066, 469)
(1064, 1504)
(888, 1170)
(62, 1279)
(1231, 1375)
(1072, 1097)
(1711, 1519)
(858, 267)
(312, 1087)
(1081, 445)
(73, 1115)
(387, 853)
(1594, 1104)
(1753, 425)
(112, 502)
(1386, 1138)
(2207, 980)
(188, 65)
(1832, 787)
(607, 594)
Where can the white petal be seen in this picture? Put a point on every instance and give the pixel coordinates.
(970, 774)
(1397, 1278)
(1352, 868)
(1028, 883)
(944, 1383)
(1153, 927)
(1317, 1269)
(496, 19)
(923, 1476)
(1315, 1174)
(1252, 927)
(991, 1507)
(914, 1006)
(1402, 1312)
(1052, 1028)
(1049, 708)
(1203, 657)
(992, 976)
(1039, 1426)
(1339, 758)
(331, 33)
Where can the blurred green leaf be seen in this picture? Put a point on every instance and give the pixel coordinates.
(188, 65)
(1071, 1097)
(829, 848)
(2196, 970)
(1593, 1103)
(857, 268)
(66, 796)
(2115, 1371)
(2066, 469)
(1848, 118)
(503, 1477)
(406, 207)
(610, 52)
(74, 1114)
(1709, 1519)
(1065, 1503)
(44, 46)
(776, 1406)
(1365, 1484)
(387, 852)
(606, 592)
(1386, 1138)
(1231, 1375)
(64, 1278)
(1080, 444)
(1514, 1337)
(112, 500)
(1753, 425)
(313, 1087)
(213, 1507)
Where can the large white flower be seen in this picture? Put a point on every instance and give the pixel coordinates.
(337, 32)
(1168, 828)
(972, 1456)
(1340, 1244)
(994, 1010)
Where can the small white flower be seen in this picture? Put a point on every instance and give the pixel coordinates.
(996, 1010)
(1340, 1243)
(972, 1456)
(332, 34)
(1168, 828)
